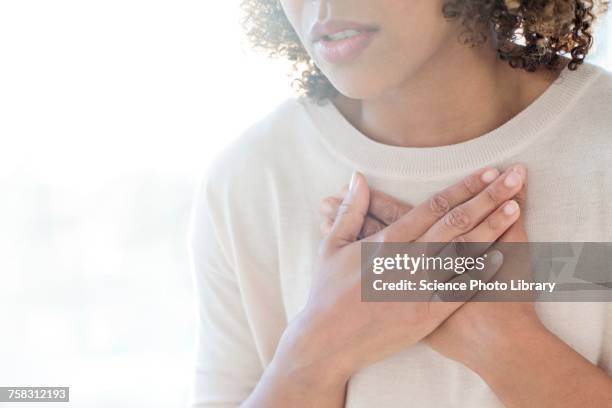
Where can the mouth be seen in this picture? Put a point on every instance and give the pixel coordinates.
(341, 35)
(339, 41)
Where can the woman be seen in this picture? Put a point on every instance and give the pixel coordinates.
(440, 111)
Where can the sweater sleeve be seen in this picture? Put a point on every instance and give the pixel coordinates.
(227, 365)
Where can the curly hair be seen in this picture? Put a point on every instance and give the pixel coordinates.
(529, 34)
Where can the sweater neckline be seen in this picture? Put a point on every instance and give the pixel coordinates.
(371, 157)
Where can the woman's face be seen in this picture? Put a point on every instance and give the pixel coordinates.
(367, 48)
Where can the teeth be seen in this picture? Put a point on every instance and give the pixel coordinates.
(342, 35)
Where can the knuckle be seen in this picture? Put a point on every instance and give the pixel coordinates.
(344, 209)
(520, 200)
(369, 228)
(389, 213)
(439, 204)
(493, 223)
(330, 201)
(460, 241)
(492, 194)
(349, 210)
(460, 245)
(457, 219)
(324, 207)
(471, 185)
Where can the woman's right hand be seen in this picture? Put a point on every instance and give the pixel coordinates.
(336, 333)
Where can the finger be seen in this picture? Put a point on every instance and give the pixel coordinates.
(414, 223)
(370, 227)
(326, 225)
(519, 256)
(385, 208)
(351, 213)
(329, 209)
(479, 240)
(454, 299)
(521, 197)
(466, 216)
(517, 232)
(492, 227)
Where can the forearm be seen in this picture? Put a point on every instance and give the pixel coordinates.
(301, 375)
(279, 389)
(535, 368)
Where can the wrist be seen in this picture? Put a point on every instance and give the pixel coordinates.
(545, 370)
(299, 375)
(496, 348)
(305, 360)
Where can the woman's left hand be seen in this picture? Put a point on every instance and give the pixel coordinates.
(480, 329)
(504, 342)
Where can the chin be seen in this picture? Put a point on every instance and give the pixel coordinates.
(367, 81)
(358, 92)
(361, 86)
(357, 83)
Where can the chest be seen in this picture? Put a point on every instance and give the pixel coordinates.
(565, 209)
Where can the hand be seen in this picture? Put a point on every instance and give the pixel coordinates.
(336, 333)
(472, 331)
(335, 321)
(383, 210)
(463, 336)
(504, 343)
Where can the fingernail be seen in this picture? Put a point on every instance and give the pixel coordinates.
(511, 208)
(521, 170)
(496, 257)
(513, 179)
(489, 175)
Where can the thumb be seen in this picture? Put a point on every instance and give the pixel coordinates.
(351, 213)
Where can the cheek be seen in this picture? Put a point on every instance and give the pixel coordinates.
(413, 31)
(298, 13)
(416, 21)
(291, 8)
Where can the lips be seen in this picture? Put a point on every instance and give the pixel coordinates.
(338, 41)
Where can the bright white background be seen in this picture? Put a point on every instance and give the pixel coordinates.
(109, 113)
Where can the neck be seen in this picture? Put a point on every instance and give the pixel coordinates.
(448, 100)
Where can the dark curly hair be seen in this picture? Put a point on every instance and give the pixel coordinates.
(529, 33)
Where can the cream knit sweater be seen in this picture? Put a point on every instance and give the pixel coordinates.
(255, 231)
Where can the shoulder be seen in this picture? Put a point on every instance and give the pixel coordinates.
(264, 159)
(589, 122)
(599, 90)
(590, 116)
(272, 140)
